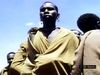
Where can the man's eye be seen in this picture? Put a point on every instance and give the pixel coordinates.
(50, 8)
(42, 9)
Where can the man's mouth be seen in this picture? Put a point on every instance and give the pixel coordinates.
(47, 15)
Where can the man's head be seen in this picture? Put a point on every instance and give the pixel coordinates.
(48, 11)
(10, 57)
(88, 22)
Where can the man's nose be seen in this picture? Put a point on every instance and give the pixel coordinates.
(46, 10)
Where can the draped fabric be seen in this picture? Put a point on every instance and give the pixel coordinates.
(8, 71)
(60, 50)
(48, 58)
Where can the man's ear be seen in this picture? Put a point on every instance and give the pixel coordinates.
(58, 15)
(98, 24)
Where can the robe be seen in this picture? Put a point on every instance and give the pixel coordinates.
(50, 58)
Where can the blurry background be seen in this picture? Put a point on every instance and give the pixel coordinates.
(18, 16)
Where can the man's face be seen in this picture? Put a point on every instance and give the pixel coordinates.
(10, 58)
(48, 11)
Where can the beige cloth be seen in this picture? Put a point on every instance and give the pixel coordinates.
(54, 58)
(8, 71)
(88, 55)
(4, 71)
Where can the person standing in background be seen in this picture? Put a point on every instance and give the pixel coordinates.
(6, 70)
(87, 59)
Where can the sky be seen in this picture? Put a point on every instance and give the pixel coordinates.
(18, 16)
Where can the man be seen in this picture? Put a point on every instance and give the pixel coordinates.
(88, 21)
(49, 50)
(87, 55)
(6, 70)
(87, 61)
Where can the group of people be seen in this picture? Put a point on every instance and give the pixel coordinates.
(52, 50)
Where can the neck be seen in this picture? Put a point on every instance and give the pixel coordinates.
(49, 25)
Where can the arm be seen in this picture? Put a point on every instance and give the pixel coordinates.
(20, 57)
(24, 52)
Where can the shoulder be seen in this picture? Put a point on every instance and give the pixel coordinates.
(66, 31)
(69, 34)
(93, 36)
(33, 30)
(91, 33)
